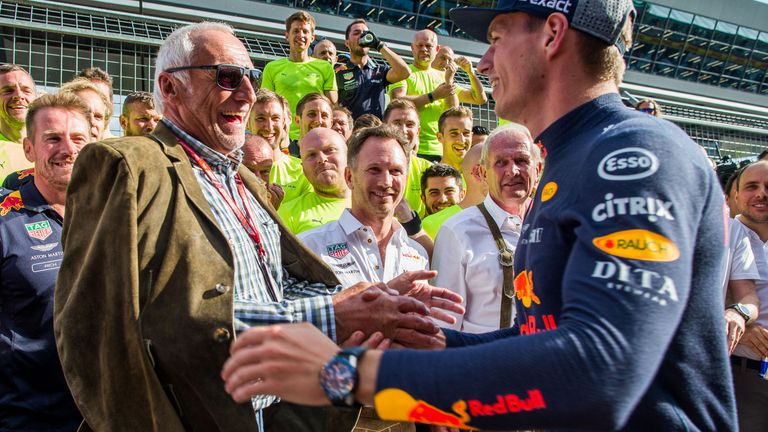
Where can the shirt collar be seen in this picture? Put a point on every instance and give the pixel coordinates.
(499, 215)
(752, 234)
(349, 224)
(370, 64)
(32, 198)
(223, 164)
(577, 119)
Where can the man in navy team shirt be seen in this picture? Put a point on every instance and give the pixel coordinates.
(618, 271)
(33, 393)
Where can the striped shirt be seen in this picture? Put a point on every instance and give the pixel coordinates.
(297, 300)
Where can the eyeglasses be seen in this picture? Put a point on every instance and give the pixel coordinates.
(648, 110)
(228, 76)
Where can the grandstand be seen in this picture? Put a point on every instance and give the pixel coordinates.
(706, 62)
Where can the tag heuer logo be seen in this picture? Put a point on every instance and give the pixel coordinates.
(348, 76)
(338, 250)
(39, 230)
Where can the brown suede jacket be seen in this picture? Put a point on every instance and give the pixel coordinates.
(141, 328)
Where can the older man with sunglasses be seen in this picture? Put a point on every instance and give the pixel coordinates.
(172, 248)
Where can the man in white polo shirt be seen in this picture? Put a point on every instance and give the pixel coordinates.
(367, 241)
(751, 389)
(466, 255)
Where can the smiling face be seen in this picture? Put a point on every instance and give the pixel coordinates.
(99, 120)
(752, 195)
(341, 124)
(315, 114)
(58, 136)
(377, 179)
(209, 113)
(456, 138)
(510, 170)
(513, 64)
(17, 91)
(268, 121)
(323, 159)
(300, 36)
(441, 193)
(407, 121)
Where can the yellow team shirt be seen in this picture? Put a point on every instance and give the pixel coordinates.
(311, 211)
(421, 82)
(413, 184)
(432, 223)
(288, 173)
(294, 80)
(12, 158)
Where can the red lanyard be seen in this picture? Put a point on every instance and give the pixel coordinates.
(246, 220)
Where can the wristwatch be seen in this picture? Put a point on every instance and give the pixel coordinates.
(741, 310)
(339, 377)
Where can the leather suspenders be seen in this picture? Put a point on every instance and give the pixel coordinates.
(507, 261)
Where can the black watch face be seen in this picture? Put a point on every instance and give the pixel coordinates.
(338, 379)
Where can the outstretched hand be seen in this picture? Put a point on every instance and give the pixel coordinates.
(438, 300)
(281, 360)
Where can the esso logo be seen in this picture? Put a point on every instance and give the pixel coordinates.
(629, 163)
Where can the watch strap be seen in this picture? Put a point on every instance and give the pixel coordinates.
(741, 310)
(351, 356)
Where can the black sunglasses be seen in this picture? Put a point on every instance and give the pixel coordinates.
(228, 76)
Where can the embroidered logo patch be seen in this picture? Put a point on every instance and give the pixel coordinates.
(550, 189)
(39, 230)
(638, 244)
(44, 247)
(11, 202)
(338, 250)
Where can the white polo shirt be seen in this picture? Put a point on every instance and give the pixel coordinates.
(760, 249)
(351, 250)
(741, 259)
(467, 261)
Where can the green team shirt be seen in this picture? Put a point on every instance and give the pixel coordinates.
(287, 173)
(12, 157)
(311, 211)
(413, 184)
(433, 222)
(293, 80)
(421, 82)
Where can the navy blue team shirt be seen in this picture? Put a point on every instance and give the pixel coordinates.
(33, 393)
(618, 295)
(362, 90)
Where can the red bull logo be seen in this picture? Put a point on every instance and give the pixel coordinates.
(22, 174)
(11, 202)
(524, 289)
(395, 404)
(509, 403)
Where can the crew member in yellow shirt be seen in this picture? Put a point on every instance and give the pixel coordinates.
(323, 159)
(299, 74)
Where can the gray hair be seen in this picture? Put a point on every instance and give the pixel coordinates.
(507, 129)
(177, 50)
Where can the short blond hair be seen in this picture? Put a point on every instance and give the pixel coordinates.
(81, 84)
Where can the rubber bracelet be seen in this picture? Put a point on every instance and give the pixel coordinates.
(430, 97)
